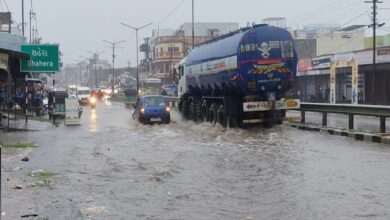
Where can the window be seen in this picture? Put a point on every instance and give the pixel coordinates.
(173, 49)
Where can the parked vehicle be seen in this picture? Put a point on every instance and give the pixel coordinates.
(169, 90)
(152, 109)
(57, 109)
(131, 97)
(83, 94)
(241, 78)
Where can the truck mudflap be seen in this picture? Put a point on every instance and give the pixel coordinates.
(284, 104)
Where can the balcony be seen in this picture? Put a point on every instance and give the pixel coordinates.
(169, 55)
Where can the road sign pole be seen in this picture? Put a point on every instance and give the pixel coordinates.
(26, 99)
(54, 99)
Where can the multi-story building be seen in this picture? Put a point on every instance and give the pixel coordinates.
(171, 46)
(381, 41)
(322, 39)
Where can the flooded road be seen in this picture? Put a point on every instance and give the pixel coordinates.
(111, 167)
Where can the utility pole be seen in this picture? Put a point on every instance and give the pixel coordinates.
(193, 26)
(30, 27)
(136, 33)
(113, 44)
(94, 62)
(374, 25)
(23, 17)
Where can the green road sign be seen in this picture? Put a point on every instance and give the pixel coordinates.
(44, 58)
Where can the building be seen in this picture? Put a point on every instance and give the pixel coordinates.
(11, 78)
(381, 41)
(314, 77)
(321, 39)
(169, 46)
(280, 22)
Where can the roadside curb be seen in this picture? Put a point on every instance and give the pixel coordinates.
(359, 136)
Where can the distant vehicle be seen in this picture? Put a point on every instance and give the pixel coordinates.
(150, 86)
(92, 101)
(72, 91)
(83, 94)
(152, 109)
(169, 90)
(131, 96)
(244, 77)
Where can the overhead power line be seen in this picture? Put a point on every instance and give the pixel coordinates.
(354, 18)
(170, 13)
(6, 5)
(326, 11)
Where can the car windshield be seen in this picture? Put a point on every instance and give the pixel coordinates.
(83, 92)
(154, 101)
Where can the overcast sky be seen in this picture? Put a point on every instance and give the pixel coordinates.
(81, 25)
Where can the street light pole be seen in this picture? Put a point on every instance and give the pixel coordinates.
(136, 34)
(113, 44)
(193, 26)
(23, 17)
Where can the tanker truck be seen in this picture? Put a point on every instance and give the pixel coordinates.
(244, 77)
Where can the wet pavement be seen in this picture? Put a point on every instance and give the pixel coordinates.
(111, 167)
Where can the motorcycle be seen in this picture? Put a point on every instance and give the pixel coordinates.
(92, 102)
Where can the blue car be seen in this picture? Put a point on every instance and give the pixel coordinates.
(152, 109)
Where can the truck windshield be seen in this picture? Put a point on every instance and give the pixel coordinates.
(83, 92)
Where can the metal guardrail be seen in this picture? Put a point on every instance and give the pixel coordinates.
(367, 110)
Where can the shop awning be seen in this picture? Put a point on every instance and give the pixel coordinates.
(16, 54)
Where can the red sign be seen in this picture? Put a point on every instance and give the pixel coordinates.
(383, 52)
(304, 65)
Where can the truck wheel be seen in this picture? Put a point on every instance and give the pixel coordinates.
(205, 111)
(198, 112)
(213, 113)
(222, 116)
(184, 109)
(192, 112)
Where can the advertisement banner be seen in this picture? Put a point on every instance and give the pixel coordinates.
(322, 62)
(304, 65)
(4, 61)
(332, 95)
(344, 59)
(72, 112)
(382, 56)
(355, 83)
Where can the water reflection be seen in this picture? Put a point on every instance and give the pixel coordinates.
(93, 121)
(108, 102)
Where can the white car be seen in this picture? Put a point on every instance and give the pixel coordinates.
(83, 94)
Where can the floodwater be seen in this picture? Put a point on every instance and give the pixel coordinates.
(111, 167)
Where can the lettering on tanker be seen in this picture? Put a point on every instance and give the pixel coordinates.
(263, 69)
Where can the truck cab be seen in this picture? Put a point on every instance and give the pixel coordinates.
(182, 86)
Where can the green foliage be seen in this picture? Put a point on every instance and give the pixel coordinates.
(19, 145)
